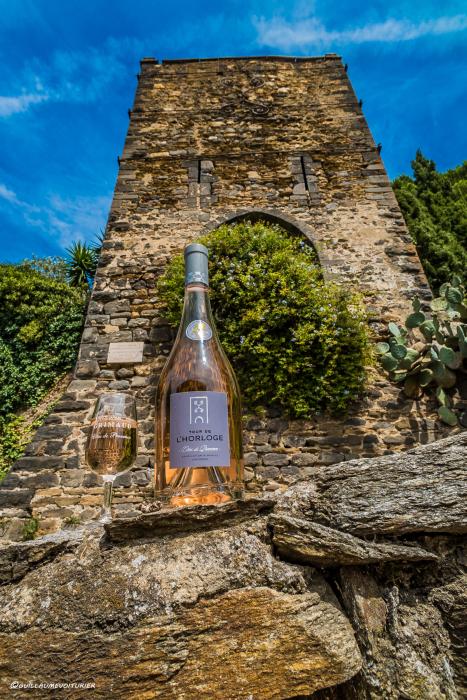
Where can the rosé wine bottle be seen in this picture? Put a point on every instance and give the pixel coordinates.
(199, 457)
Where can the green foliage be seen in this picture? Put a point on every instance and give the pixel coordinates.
(81, 263)
(30, 529)
(15, 433)
(430, 354)
(40, 325)
(435, 209)
(52, 266)
(13, 440)
(294, 340)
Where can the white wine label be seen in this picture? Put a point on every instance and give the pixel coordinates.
(198, 330)
(199, 430)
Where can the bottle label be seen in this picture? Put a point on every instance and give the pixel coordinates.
(199, 430)
(198, 330)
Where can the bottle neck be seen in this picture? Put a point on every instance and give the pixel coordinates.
(197, 305)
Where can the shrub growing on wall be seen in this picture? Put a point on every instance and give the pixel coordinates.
(295, 341)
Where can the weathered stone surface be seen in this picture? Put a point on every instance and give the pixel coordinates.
(310, 543)
(208, 615)
(450, 598)
(170, 520)
(17, 558)
(187, 589)
(406, 647)
(423, 490)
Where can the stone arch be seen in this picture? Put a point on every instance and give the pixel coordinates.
(273, 216)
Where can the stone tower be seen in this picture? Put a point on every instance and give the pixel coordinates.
(213, 141)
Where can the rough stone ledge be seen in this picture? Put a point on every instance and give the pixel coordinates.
(309, 543)
(422, 490)
(169, 521)
(17, 558)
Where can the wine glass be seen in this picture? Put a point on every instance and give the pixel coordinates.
(112, 440)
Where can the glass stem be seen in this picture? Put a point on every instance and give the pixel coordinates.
(106, 513)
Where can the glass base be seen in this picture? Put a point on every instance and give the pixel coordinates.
(201, 494)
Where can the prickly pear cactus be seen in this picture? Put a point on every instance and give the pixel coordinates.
(430, 352)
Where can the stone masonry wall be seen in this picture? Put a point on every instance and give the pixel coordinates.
(212, 141)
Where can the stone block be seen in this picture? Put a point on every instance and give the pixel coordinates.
(72, 462)
(331, 458)
(123, 480)
(51, 432)
(44, 480)
(255, 424)
(370, 439)
(138, 382)
(71, 406)
(117, 307)
(87, 368)
(71, 477)
(124, 373)
(90, 335)
(107, 374)
(251, 459)
(91, 479)
(393, 439)
(267, 472)
(119, 385)
(16, 497)
(160, 334)
(290, 470)
(37, 464)
(294, 440)
(141, 335)
(303, 459)
(277, 425)
(141, 477)
(275, 459)
(261, 439)
(82, 385)
(10, 481)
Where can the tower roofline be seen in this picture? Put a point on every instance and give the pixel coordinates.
(288, 59)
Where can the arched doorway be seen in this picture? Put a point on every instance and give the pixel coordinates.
(273, 216)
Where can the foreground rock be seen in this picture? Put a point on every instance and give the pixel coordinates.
(160, 521)
(422, 490)
(226, 603)
(208, 615)
(311, 543)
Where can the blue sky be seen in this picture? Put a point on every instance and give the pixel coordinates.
(68, 79)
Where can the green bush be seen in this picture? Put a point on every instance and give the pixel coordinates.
(294, 340)
(14, 436)
(435, 209)
(41, 319)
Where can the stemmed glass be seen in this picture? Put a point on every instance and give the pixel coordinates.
(111, 445)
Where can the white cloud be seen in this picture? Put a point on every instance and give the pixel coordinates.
(9, 195)
(13, 199)
(64, 220)
(79, 218)
(19, 103)
(286, 35)
(73, 76)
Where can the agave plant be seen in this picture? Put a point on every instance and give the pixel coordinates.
(81, 263)
(428, 354)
